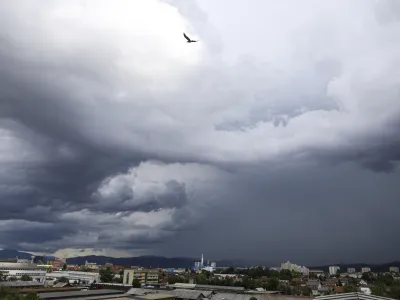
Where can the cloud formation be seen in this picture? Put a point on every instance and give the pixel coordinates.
(110, 122)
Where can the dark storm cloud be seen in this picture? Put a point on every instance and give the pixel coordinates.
(87, 104)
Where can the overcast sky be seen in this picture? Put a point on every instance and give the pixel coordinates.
(275, 137)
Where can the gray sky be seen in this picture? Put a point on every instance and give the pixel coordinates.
(276, 137)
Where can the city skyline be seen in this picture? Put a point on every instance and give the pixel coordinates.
(274, 137)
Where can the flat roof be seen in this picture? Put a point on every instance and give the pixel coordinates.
(157, 296)
(21, 283)
(77, 294)
(219, 287)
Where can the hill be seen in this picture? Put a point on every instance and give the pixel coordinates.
(9, 253)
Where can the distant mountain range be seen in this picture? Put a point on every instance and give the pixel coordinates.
(177, 262)
(9, 253)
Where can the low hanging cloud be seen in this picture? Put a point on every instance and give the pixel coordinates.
(109, 120)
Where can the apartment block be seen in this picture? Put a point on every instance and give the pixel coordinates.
(145, 276)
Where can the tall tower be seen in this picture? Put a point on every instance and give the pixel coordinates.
(202, 260)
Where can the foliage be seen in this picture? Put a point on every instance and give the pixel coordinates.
(26, 278)
(106, 275)
(32, 296)
(136, 283)
(380, 289)
(349, 288)
(3, 277)
(11, 294)
(64, 267)
(63, 279)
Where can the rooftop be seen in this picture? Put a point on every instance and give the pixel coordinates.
(26, 266)
(351, 296)
(78, 294)
(157, 296)
(21, 283)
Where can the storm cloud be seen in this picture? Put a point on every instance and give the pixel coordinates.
(275, 137)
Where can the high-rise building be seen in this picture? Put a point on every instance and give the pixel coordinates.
(365, 270)
(351, 270)
(296, 268)
(333, 270)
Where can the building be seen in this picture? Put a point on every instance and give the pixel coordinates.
(351, 296)
(72, 276)
(58, 263)
(19, 269)
(90, 265)
(78, 295)
(394, 269)
(296, 268)
(365, 270)
(333, 270)
(145, 276)
(351, 270)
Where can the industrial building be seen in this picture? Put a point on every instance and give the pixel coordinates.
(18, 270)
(84, 277)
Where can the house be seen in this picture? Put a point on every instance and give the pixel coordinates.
(331, 283)
(324, 290)
(339, 290)
(362, 282)
(314, 285)
(365, 290)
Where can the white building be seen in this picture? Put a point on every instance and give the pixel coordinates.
(333, 270)
(365, 270)
(394, 269)
(351, 270)
(87, 277)
(365, 290)
(20, 269)
(296, 268)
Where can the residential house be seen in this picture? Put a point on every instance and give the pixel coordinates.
(339, 289)
(362, 282)
(325, 290)
(314, 285)
(365, 290)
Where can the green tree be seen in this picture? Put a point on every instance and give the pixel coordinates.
(32, 296)
(63, 279)
(26, 278)
(106, 275)
(64, 267)
(3, 277)
(272, 284)
(136, 283)
(348, 288)
(379, 289)
(8, 294)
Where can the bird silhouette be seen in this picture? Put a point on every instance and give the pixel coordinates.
(189, 40)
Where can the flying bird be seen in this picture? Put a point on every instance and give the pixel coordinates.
(188, 39)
